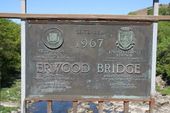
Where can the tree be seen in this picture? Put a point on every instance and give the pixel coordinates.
(9, 52)
(163, 53)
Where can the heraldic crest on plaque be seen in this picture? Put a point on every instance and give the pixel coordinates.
(125, 40)
(53, 38)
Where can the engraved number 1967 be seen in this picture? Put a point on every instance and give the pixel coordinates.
(92, 43)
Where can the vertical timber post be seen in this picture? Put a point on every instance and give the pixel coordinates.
(154, 47)
(100, 106)
(154, 51)
(49, 106)
(23, 63)
(151, 105)
(75, 106)
(126, 106)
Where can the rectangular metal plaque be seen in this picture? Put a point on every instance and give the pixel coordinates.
(83, 59)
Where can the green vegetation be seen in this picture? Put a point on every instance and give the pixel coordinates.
(7, 109)
(132, 13)
(162, 10)
(163, 53)
(9, 63)
(9, 52)
(164, 91)
(11, 94)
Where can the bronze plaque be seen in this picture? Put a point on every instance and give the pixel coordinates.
(88, 59)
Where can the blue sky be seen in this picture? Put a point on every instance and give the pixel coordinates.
(77, 6)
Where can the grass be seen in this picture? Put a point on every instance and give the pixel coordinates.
(164, 91)
(7, 109)
(11, 94)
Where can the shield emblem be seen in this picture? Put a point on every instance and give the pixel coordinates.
(52, 38)
(125, 38)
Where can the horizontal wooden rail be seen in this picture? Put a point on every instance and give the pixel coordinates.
(100, 104)
(92, 99)
(148, 18)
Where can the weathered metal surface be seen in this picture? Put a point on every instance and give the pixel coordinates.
(88, 59)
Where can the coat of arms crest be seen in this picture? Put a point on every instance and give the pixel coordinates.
(53, 38)
(125, 39)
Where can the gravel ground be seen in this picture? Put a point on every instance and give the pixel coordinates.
(162, 105)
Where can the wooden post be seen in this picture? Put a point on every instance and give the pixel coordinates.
(75, 105)
(154, 47)
(151, 105)
(23, 77)
(49, 106)
(126, 106)
(154, 51)
(100, 106)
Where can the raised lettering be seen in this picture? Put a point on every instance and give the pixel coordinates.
(130, 68)
(85, 67)
(66, 67)
(107, 68)
(120, 68)
(137, 68)
(40, 67)
(100, 68)
(75, 67)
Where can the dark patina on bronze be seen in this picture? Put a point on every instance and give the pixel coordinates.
(88, 59)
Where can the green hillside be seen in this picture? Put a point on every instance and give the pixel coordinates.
(163, 53)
